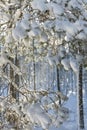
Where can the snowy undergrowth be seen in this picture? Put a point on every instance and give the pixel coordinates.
(71, 123)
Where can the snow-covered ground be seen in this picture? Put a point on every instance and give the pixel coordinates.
(71, 123)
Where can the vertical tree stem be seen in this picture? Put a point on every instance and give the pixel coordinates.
(80, 99)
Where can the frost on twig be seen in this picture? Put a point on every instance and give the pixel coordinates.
(5, 60)
(19, 115)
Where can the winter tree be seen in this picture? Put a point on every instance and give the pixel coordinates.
(52, 31)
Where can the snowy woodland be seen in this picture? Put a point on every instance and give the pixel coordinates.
(43, 64)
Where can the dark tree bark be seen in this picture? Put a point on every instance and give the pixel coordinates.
(15, 78)
(58, 84)
(81, 113)
(12, 89)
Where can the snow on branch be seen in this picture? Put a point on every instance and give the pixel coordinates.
(5, 60)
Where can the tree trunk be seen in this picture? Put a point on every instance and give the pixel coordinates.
(80, 100)
(15, 78)
(12, 89)
(34, 67)
(58, 84)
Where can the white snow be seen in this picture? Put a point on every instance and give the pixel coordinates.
(43, 37)
(74, 64)
(37, 115)
(39, 5)
(55, 9)
(25, 24)
(65, 63)
(71, 123)
(19, 32)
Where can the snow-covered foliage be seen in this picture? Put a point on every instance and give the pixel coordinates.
(46, 22)
(36, 30)
(43, 23)
(4, 58)
(29, 112)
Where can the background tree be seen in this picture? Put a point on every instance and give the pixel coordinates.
(46, 30)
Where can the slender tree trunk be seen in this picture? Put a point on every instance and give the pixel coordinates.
(81, 113)
(80, 100)
(12, 89)
(34, 67)
(15, 78)
(58, 84)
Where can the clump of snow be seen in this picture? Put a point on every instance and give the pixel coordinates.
(25, 24)
(74, 64)
(39, 5)
(4, 61)
(55, 9)
(43, 37)
(65, 63)
(39, 115)
(35, 32)
(19, 32)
